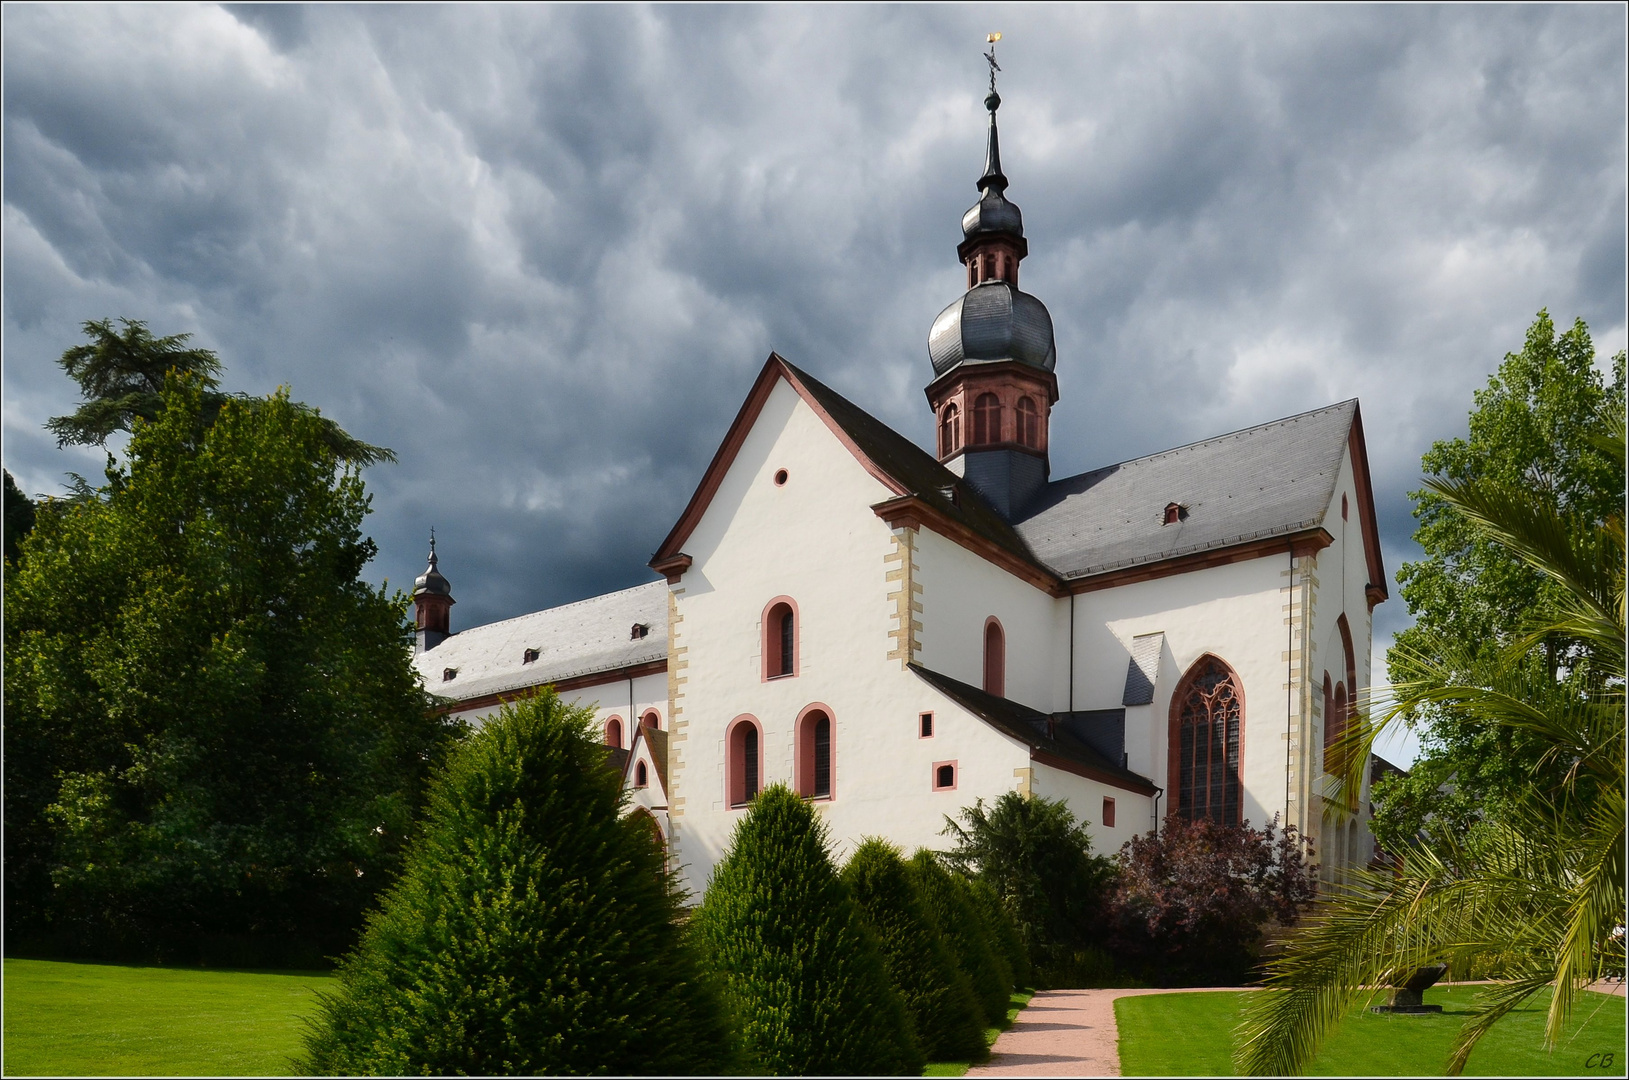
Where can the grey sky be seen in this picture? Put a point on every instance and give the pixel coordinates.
(541, 251)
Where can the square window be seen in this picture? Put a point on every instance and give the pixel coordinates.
(925, 729)
(1108, 813)
(944, 776)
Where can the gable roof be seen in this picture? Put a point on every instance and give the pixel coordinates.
(1272, 480)
(656, 740)
(1046, 736)
(898, 463)
(571, 640)
(1267, 485)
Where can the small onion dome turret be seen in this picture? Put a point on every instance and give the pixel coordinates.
(431, 582)
(993, 321)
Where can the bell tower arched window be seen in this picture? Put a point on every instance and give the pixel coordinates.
(1029, 423)
(814, 753)
(1207, 737)
(950, 431)
(995, 658)
(744, 761)
(986, 420)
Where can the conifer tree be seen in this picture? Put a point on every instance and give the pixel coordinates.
(1003, 931)
(800, 967)
(534, 930)
(949, 1022)
(948, 896)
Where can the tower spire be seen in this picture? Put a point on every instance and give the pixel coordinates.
(993, 178)
(432, 604)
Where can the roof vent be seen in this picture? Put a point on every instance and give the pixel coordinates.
(529, 656)
(449, 674)
(1175, 512)
(639, 630)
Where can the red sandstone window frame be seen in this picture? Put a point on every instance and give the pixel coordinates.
(950, 430)
(770, 639)
(995, 660)
(924, 725)
(803, 752)
(613, 723)
(736, 797)
(955, 775)
(641, 775)
(986, 420)
(1028, 423)
(1108, 812)
(1173, 779)
(651, 718)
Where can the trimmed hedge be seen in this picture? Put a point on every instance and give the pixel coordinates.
(801, 968)
(1003, 931)
(534, 929)
(949, 1022)
(950, 899)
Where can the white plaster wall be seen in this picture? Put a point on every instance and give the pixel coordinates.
(816, 540)
(1133, 813)
(608, 699)
(1234, 611)
(960, 591)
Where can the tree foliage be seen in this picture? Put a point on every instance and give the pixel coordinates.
(1539, 885)
(1531, 429)
(802, 970)
(938, 996)
(213, 728)
(1003, 931)
(1039, 859)
(19, 517)
(534, 930)
(1191, 901)
(121, 380)
(950, 900)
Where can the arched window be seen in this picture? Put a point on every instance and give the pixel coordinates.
(814, 753)
(1330, 722)
(944, 776)
(986, 420)
(995, 658)
(613, 732)
(744, 761)
(641, 775)
(1029, 423)
(652, 719)
(1334, 728)
(780, 645)
(950, 430)
(1207, 733)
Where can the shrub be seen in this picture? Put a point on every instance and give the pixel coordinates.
(948, 1020)
(1192, 901)
(799, 965)
(1003, 933)
(533, 930)
(1038, 857)
(951, 902)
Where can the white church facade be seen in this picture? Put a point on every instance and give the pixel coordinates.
(898, 633)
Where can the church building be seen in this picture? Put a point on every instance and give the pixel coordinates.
(897, 633)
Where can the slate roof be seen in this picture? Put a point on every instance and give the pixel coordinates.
(1269, 480)
(574, 639)
(1030, 727)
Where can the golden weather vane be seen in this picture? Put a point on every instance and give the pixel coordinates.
(991, 39)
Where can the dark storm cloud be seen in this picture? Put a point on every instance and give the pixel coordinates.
(541, 251)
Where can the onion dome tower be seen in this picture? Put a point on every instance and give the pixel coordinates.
(993, 352)
(432, 604)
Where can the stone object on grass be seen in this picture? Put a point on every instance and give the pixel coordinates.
(1409, 997)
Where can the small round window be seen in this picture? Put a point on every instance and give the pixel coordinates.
(780, 477)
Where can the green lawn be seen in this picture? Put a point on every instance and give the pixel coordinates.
(103, 1019)
(1192, 1035)
(1016, 1004)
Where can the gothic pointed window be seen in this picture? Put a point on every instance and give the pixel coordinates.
(1029, 423)
(1207, 730)
(986, 420)
(950, 431)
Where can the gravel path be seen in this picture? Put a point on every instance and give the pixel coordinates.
(1065, 1033)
